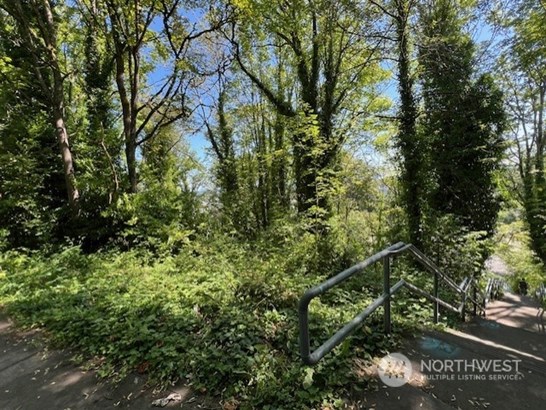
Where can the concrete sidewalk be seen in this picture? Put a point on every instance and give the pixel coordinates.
(518, 311)
(31, 377)
(511, 331)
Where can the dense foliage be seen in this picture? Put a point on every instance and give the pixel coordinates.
(219, 315)
(173, 175)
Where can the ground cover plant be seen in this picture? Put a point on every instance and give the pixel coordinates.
(224, 321)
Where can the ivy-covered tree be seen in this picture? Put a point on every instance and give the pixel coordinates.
(30, 193)
(409, 140)
(247, 140)
(328, 51)
(412, 150)
(223, 146)
(464, 119)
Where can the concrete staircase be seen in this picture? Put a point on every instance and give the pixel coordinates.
(454, 374)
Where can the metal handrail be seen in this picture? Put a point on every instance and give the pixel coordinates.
(492, 288)
(385, 256)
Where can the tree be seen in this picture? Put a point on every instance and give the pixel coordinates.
(409, 140)
(411, 148)
(247, 139)
(37, 24)
(522, 65)
(138, 46)
(165, 211)
(29, 169)
(464, 120)
(329, 54)
(223, 145)
(102, 131)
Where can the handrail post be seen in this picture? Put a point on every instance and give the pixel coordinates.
(474, 297)
(463, 308)
(305, 345)
(386, 292)
(436, 306)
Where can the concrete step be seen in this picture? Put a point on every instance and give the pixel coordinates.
(480, 341)
(522, 312)
(461, 388)
(495, 363)
(491, 337)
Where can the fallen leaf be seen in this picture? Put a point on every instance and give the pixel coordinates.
(166, 400)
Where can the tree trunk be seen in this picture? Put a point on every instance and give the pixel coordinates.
(308, 167)
(535, 187)
(407, 137)
(130, 154)
(68, 163)
(127, 117)
(58, 111)
(279, 165)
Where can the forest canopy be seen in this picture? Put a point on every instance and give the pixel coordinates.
(134, 122)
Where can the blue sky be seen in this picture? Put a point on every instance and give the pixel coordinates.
(482, 34)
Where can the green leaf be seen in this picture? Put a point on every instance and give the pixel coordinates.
(308, 379)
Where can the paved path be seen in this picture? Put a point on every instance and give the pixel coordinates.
(33, 378)
(482, 340)
(514, 310)
(518, 311)
(497, 265)
(513, 330)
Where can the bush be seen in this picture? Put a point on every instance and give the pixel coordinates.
(513, 245)
(457, 251)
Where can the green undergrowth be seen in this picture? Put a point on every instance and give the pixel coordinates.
(514, 247)
(221, 316)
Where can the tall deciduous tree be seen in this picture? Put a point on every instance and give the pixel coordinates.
(38, 24)
(247, 138)
(145, 34)
(523, 69)
(31, 180)
(330, 56)
(223, 145)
